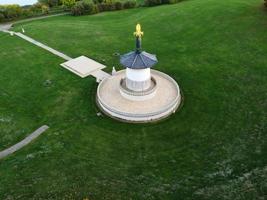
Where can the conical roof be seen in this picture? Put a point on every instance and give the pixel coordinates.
(138, 59)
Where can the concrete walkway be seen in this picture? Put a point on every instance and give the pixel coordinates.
(39, 44)
(24, 142)
(5, 27)
(8, 25)
(98, 74)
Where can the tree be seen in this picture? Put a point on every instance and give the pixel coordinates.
(2, 17)
(68, 3)
(45, 9)
(50, 3)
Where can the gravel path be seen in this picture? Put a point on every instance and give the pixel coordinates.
(24, 142)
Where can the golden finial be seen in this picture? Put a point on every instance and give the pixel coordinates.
(138, 32)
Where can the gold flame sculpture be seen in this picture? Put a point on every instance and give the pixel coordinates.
(138, 32)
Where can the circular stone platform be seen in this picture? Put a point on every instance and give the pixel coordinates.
(165, 101)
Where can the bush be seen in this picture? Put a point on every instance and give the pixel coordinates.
(45, 9)
(91, 9)
(101, 7)
(83, 7)
(36, 8)
(173, 1)
(78, 9)
(13, 11)
(168, 1)
(50, 3)
(2, 17)
(159, 2)
(265, 3)
(153, 2)
(129, 4)
(68, 3)
(27, 13)
(118, 5)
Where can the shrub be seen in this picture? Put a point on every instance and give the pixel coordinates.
(2, 17)
(50, 3)
(68, 3)
(13, 11)
(168, 1)
(83, 7)
(90, 8)
(36, 8)
(159, 2)
(173, 1)
(129, 4)
(104, 7)
(78, 9)
(153, 2)
(27, 13)
(87, 7)
(45, 9)
(265, 3)
(118, 5)
(101, 7)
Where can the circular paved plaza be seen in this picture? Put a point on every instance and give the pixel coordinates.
(165, 101)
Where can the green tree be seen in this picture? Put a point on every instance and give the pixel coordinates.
(45, 9)
(68, 3)
(2, 17)
(50, 3)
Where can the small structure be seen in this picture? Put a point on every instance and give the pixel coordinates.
(138, 78)
(138, 93)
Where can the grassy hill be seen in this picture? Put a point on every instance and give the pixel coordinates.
(213, 148)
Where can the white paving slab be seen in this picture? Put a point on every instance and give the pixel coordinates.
(83, 66)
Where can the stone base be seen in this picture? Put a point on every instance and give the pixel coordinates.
(149, 93)
(165, 101)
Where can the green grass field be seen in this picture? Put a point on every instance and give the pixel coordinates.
(213, 148)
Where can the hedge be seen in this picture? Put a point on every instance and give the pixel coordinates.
(160, 2)
(14, 12)
(83, 7)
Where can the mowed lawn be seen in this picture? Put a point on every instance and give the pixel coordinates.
(214, 147)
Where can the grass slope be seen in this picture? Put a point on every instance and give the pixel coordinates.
(213, 148)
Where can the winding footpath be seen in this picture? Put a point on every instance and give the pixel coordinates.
(6, 28)
(24, 142)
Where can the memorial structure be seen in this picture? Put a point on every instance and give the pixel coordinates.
(138, 93)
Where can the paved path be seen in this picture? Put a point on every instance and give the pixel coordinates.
(39, 44)
(8, 25)
(5, 27)
(98, 74)
(24, 142)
